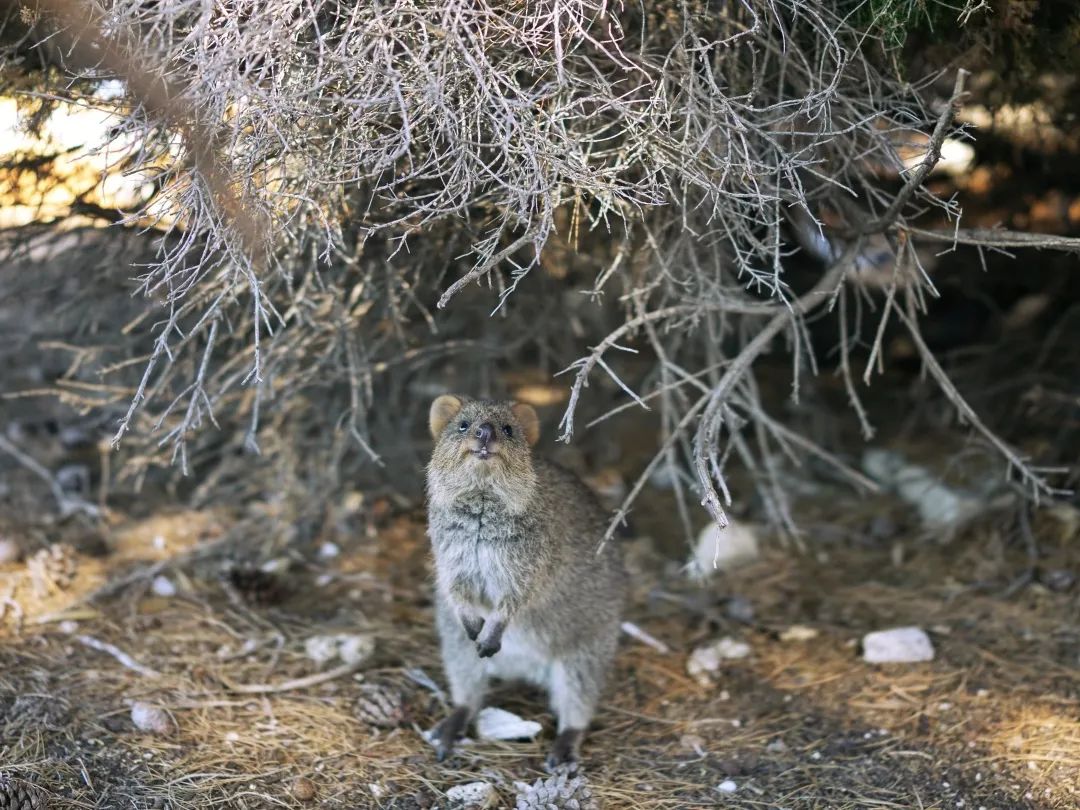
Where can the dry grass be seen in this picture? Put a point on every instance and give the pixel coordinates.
(992, 722)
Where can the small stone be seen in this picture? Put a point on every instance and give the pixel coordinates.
(152, 719)
(163, 586)
(350, 648)
(499, 724)
(9, 551)
(303, 789)
(776, 747)
(321, 649)
(68, 626)
(356, 648)
(473, 794)
(899, 645)
(353, 502)
(724, 549)
(799, 632)
(938, 505)
(329, 550)
(727, 786)
(706, 659)
(276, 565)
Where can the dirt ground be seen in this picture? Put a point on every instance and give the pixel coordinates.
(992, 722)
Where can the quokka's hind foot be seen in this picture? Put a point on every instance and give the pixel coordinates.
(449, 731)
(566, 748)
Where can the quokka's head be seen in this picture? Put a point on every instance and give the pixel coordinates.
(482, 446)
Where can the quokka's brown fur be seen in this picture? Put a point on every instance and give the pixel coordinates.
(522, 592)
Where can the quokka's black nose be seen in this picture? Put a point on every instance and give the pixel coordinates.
(484, 432)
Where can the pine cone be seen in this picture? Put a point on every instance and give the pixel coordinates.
(380, 705)
(17, 794)
(53, 568)
(564, 790)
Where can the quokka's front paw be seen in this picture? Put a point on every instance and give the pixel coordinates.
(490, 641)
(487, 647)
(473, 625)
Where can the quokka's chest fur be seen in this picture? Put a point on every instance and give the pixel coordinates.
(481, 554)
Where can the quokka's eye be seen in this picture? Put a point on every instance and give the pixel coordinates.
(463, 426)
(509, 431)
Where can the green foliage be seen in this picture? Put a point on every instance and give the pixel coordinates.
(892, 21)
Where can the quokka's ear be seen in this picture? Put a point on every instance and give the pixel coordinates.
(443, 409)
(530, 422)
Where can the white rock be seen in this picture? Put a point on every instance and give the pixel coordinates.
(798, 632)
(276, 565)
(153, 719)
(9, 551)
(329, 550)
(899, 645)
(727, 786)
(938, 505)
(354, 649)
(719, 549)
(321, 649)
(163, 586)
(351, 649)
(499, 724)
(473, 794)
(706, 659)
